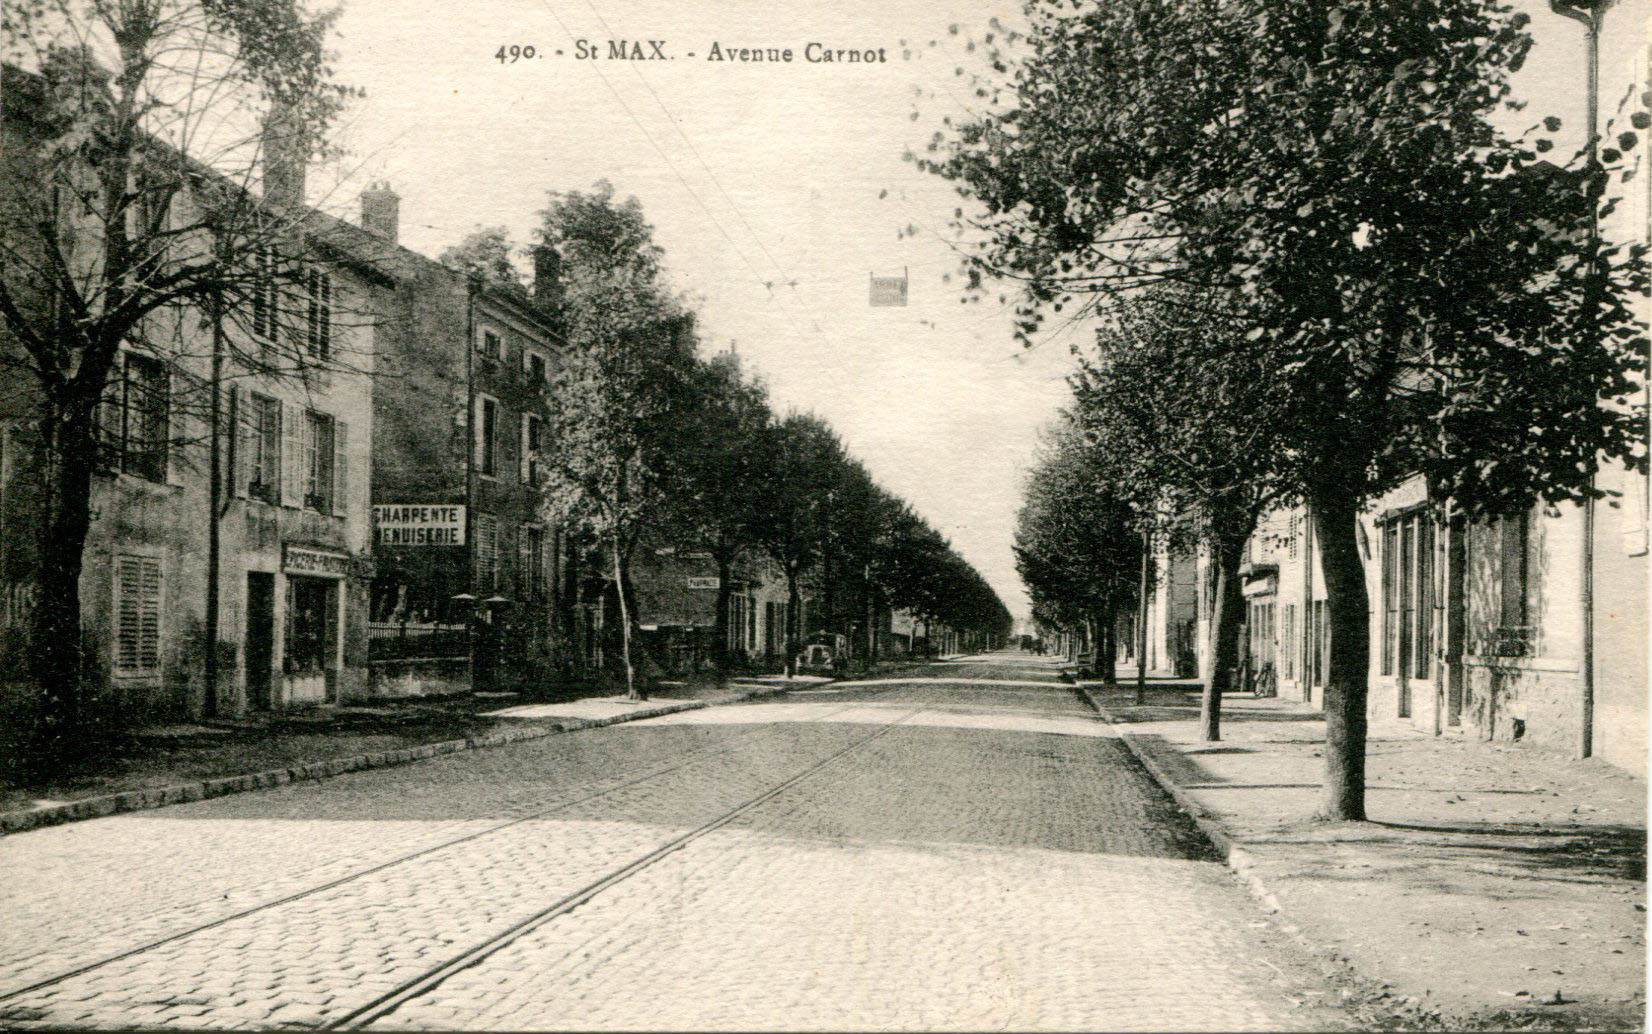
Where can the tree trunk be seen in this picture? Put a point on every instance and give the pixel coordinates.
(631, 690)
(794, 603)
(1335, 518)
(1224, 638)
(1141, 621)
(1108, 668)
(69, 448)
(871, 629)
(725, 593)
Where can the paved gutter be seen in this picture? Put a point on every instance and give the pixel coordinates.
(220, 786)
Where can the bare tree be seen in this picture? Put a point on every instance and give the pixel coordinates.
(136, 130)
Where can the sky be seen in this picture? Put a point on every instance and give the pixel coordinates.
(775, 189)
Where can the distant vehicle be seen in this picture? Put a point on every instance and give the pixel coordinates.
(823, 652)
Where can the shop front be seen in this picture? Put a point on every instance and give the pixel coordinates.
(312, 652)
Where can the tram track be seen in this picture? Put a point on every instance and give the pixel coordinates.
(677, 763)
(425, 982)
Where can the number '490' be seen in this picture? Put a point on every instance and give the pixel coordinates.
(515, 52)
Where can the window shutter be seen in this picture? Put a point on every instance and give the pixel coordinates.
(171, 473)
(128, 580)
(149, 642)
(235, 445)
(524, 563)
(341, 469)
(292, 456)
(522, 457)
(137, 613)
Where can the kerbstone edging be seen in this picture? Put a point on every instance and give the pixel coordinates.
(219, 786)
(1243, 864)
(1241, 861)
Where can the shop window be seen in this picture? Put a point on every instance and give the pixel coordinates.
(134, 419)
(310, 621)
(137, 615)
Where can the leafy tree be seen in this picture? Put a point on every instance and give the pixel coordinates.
(799, 457)
(621, 389)
(485, 254)
(1077, 547)
(717, 461)
(133, 135)
(1422, 291)
(1177, 408)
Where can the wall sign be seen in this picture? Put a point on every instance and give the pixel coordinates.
(414, 524)
(704, 583)
(302, 560)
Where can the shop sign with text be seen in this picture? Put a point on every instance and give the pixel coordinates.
(413, 524)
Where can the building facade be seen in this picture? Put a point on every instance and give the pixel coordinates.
(467, 565)
(291, 429)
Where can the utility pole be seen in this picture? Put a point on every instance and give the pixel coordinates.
(215, 493)
(1141, 619)
(1590, 14)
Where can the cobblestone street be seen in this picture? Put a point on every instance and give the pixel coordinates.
(966, 848)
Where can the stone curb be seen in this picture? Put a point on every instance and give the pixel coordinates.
(1241, 861)
(199, 790)
(1243, 864)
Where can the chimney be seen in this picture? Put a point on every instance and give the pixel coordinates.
(381, 210)
(286, 150)
(547, 277)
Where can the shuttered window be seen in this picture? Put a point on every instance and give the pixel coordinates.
(261, 448)
(134, 417)
(487, 551)
(318, 336)
(487, 436)
(318, 462)
(264, 293)
(137, 615)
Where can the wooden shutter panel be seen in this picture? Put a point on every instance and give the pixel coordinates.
(292, 456)
(522, 457)
(235, 444)
(149, 642)
(137, 614)
(341, 468)
(325, 331)
(128, 581)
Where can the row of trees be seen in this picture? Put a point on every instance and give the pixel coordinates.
(153, 196)
(651, 442)
(1318, 267)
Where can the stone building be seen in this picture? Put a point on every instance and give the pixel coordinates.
(467, 565)
(292, 428)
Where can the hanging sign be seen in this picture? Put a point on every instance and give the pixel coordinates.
(889, 290)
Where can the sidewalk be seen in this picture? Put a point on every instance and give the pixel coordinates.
(1495, 886)
(171, 764)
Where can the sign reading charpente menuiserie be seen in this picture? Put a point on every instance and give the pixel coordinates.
(415, 524)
